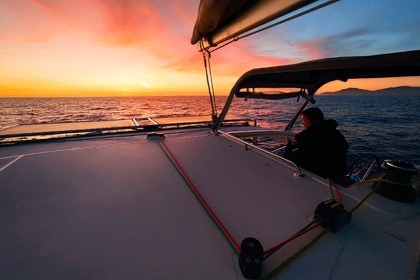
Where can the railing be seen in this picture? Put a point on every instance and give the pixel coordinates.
(234, 136)
(38, 132)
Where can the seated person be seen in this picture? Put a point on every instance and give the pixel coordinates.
(320, 147)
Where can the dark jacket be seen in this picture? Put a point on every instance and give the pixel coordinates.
(321, 149)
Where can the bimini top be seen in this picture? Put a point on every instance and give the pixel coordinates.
(309, 76)
(304, 79)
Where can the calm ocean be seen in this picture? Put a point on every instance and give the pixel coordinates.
(388, 126)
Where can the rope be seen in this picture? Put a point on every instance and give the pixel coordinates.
(306, 229)
(235, 245)
(279, 268)
(209, 79)
(201, 199)
(314, 224)
(332, 185)
(374, 189)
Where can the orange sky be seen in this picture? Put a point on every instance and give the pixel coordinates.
(129, 47)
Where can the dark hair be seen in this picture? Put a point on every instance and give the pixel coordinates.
(314, 114)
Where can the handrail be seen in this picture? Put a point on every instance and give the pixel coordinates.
(262, 132)
(21, 137)
(298, 172)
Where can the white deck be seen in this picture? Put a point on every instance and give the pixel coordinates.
(117, 208)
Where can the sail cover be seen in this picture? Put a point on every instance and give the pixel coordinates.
(218, 21)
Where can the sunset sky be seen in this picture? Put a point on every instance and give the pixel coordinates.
(142, 47)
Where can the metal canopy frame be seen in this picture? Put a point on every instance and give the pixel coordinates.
(310, 76)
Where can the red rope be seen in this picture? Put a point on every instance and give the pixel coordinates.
(337, 191)
(293, 237)
(216, 219)
(200, 197)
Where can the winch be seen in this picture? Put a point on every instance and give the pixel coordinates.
(398, 185)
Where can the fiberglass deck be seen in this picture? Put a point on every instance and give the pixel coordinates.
(118, 208)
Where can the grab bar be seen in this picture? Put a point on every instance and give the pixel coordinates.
(298, 172)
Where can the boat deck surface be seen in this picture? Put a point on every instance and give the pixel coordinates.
(97, 126)
(119, 208)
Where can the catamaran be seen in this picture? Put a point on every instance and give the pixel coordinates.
(200, 199)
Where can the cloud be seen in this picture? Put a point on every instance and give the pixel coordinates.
(366, 41)
(26, 21)
(160, 28)
(115, 22)
(162, 32)
(353, 42)
(128, 22)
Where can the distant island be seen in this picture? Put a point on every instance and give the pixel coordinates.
(403, 90)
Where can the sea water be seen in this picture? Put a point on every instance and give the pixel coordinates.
(388, 126)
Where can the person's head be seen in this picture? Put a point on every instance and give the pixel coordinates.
(312, 116)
